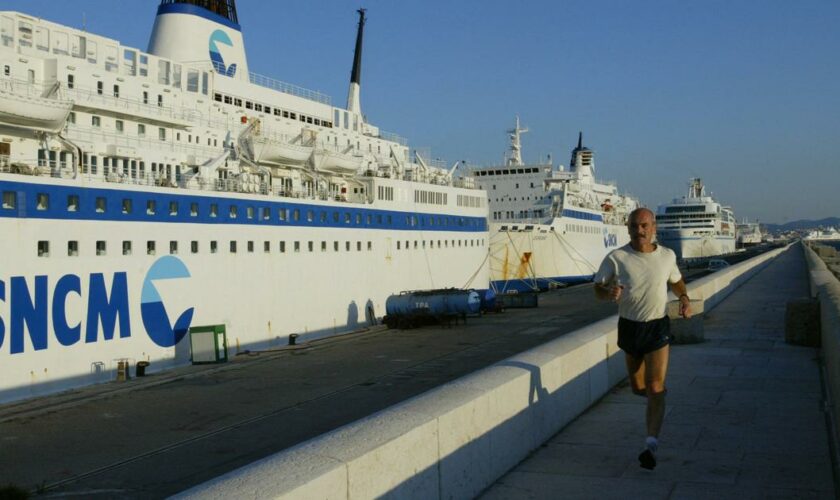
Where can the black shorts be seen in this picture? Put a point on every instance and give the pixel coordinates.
(638, 338)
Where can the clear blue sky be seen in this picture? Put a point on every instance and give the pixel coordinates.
(745, 94)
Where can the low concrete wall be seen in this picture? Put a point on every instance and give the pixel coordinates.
(826, 288)
(456, 440)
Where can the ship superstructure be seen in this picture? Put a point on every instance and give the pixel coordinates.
(549, 226)
(749, 234)
(145, 192)
(696, 225)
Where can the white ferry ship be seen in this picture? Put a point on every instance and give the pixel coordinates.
(827, 234)
(550, 227)
(696, 225)
(147, 192)
(749, 234)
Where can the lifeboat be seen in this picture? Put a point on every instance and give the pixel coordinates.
(268, 150)
(34, 113)
(337, 163)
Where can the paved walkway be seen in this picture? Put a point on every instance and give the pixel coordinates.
(744, 416)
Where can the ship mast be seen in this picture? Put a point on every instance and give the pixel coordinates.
(353, 104)
(515, 155)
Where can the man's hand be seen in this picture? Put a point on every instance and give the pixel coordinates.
(615, 292)
(685, 306)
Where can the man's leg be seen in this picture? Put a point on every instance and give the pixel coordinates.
(636, 374)
(656, 367)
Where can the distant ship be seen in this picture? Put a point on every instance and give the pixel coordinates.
(148, 192)
(827, 234)
(749, 234)
(550, 227)
(696, 225)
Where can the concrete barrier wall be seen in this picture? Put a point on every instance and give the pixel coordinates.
(456, 440)
(826, 288)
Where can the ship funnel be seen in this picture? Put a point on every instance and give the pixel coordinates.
(583, 159)
(353, 104)
(200, 34)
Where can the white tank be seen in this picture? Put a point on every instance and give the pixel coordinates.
(194, 31)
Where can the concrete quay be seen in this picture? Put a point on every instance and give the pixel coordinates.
(746, 415)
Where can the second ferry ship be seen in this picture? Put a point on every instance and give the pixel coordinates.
(145, 192)
(550, 227)
(696, 225)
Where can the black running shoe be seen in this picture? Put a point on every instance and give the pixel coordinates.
(647, 460)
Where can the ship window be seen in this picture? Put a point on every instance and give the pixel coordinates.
(162, 134)
(7, 70)
(267, 110)
(250, 247)
(398, 244)
(100, 204)
(323, 217)
(296, 215)
(126, 247)
(72, 203)
(266, 213)
(233, 211)
(192, 80)
(95, 121)
(303, 118)
(217, 97)
(71, 118)
(193, 209)
(283, 213)
(72, 248)
(323, 246)
(150, 207)
(389, 220)
(214, 247)
(43, 248)
(266, 246)
(160, 101)
(317, 121)
(120, 126)
(310, 216)
(232, 247)
(237, 102)
(130, 62)
(126, 206)
(358, 218)
(347, 246)
(228, 99)
(150, 247)
(116, 90)
(308, 119)
(370, 245)
(194, 246)
(335, 246)
(173, 247)
(311, 246)
(293, 116)
(205, 82)
(277, 112)
(249, 105)
(336, 217)
(347, 217)
(282, 247)
(297, 246)
(285, 114)
(257, 107)
(173, 208)
(43, 201)
(358, 246)
(176, 75)
(214, 210)
(163, 72)
(250, 212)
(101, 248)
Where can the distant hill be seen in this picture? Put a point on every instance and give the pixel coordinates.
(804, 224)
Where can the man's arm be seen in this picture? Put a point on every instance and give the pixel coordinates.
(682, 295)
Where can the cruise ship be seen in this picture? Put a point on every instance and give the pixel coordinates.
(696, 225)
(550, 227)
(749, 234)
(148, 192)
(826, 234)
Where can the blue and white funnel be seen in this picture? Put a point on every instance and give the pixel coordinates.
(195, 31)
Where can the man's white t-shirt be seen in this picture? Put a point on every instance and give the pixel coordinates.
(645, 278)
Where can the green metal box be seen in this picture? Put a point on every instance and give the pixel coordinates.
(208, 344)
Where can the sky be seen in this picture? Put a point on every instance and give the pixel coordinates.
(742, 93)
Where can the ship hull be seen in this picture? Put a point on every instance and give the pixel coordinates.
(687, 245)
(69, 318)
(537, 257)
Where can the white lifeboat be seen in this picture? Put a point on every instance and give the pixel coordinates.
(337, 163)
(268, 150)
(32, 112)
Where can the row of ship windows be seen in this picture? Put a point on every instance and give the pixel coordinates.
(42, 203)
(530, 170)
(119, 127)
(264, 108)
(101, 247)
(522, 214)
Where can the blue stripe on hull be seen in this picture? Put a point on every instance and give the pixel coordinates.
(27, 194)
(541, 284)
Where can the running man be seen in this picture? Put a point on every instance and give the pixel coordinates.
(637, 276)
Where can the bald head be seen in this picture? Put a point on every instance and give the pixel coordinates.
(642, 228)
